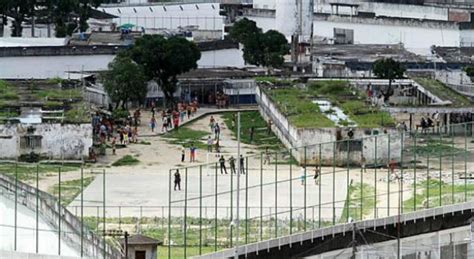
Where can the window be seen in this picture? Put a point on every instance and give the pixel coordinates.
(350, 145)
(30, 141)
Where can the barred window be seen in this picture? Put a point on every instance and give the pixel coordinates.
(31, 141)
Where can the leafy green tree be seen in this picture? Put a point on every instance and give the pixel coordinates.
(19, 10)
(243, 30)
(163, 59)
(390, 69)
(84, 7)
(125, 81)
(260, 49)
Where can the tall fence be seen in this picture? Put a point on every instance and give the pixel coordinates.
(281, 195)
(376, 176)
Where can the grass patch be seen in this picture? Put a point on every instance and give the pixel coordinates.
(7, 92)
(360, 202)
(437, 147)
(186, 136)
(28, 172)
(142, 142)
(260, 136)
(442, 91)
(126, 160)
(433, 193)
(79, 114)
(69, 189)
(297, 104)
(59, 94)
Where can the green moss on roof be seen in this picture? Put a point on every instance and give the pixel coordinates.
(297, 104)
(443, 92)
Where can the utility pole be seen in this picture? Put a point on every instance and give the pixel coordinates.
(237, 220)
(354, 243)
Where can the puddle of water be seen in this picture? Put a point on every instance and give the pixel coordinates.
(334, 113)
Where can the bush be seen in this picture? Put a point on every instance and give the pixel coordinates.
(120, 114)
(126, 160)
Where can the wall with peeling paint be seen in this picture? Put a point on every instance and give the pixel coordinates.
(68, 141)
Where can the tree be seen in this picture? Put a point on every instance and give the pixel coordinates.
(19, 10)
(125, 81)
(163, 59)
(260, 49)
(390, 69)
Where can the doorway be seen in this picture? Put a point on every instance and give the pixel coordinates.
(140, 254)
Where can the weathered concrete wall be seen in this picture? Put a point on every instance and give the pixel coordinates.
(55, 214)
(68, 141)
(329, 144)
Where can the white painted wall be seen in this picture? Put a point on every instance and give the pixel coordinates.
(406, 11)
(206, 16)
(264, 4)
(69, 141)
(57, 66)
(414, 38)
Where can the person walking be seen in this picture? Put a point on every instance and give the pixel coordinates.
(266, 156)
(222, 165)
(232, 164)
(317, 172)
(210, 142)
(177, 180)
(164, 127)
(303, 175)
(152, 123)
(217, 148)
(362, 164)
(192, 151)
(242, 165)
(183, 155)
(211, 123)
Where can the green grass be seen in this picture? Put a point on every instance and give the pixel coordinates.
(297, 104)
(69, 189)
(126, 160)
(433, 193)
(185, 136)
(437, 147)
(28, 172)
(79, 114)
(260, 138)
(59, 94)
(358, 193)
(7, 92)
(442, 91)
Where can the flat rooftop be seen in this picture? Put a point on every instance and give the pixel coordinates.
(365, 52)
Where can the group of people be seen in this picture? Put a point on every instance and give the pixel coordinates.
(231, 161)
(172, 118)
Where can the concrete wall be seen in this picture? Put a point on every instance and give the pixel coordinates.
(69, 141)
(54, 214)
(376, 146)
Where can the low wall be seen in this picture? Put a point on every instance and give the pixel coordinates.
(54, 214)
(68, 141)
(332, 145)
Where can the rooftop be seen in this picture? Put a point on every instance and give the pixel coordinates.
(365, 52)
(141, 240)
(326, 104)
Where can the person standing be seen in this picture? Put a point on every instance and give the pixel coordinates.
(192, 155)
(177, 180)
(217, 131)
(242, 165)
(211, 123)
(114, 140)
(217, 148)
(303, 175)
(210, 142)
(183, 155)
(222, 165)
(232, 164)
(269, 127)
(252, 131)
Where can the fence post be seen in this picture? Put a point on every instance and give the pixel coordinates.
(104, 214)
(37, 210)
(185, 211)
(452, 163)
(465, 162)
(169, 215)
(320, 183)
(59, 211)
(375, 177)
(215, 212)
(428, 180)
(291, 192)
(261, 197)
(348, 183)
(305, 188)
(440, 170)
(276, 194)
(200, 209)
(388, 175)
(334, 184)
(82, 211)
(246, 204)
(414, 170)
